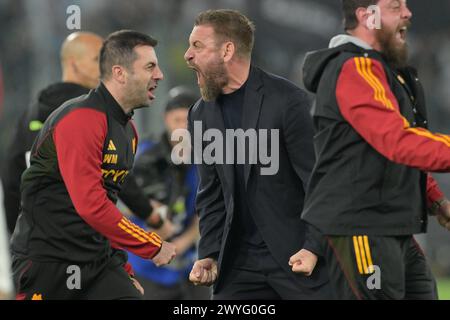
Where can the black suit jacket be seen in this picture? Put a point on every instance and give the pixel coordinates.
(275, 201)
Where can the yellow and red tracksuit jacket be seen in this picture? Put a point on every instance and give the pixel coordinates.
(78, 163)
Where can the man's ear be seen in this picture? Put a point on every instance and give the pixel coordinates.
(362, 15)
(73, 64)
(229, 51)
(119, 73)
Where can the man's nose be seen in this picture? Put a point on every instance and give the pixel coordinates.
(158, 75)
(188, 55)
(406, 14)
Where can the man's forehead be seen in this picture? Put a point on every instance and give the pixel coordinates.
(389, 2)
(202, 32)
(146, 53)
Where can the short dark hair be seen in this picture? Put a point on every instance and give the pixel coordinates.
(349, 8)
(180, 97)
(118, 48)
(230, 25)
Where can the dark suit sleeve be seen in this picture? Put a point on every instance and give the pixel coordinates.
(298, 134)
(314, 240)
(209, 205)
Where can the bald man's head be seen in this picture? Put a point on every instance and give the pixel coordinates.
(79, 58)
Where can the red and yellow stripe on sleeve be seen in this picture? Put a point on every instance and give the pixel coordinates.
(151, 239)
(434, 193)
(368, 104)
(139, 233)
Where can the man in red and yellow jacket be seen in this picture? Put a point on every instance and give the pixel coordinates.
(370, 189)
(69, 239)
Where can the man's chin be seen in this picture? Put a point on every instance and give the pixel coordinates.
(395, 51)
(145, 105)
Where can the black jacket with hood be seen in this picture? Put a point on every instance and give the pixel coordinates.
(28, 127)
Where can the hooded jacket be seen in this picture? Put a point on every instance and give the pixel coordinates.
(28, 126)
(372, 146)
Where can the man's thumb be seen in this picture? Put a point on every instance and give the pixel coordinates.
(197, 270)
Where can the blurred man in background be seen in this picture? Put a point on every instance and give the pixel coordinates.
(175, 186)
(370, 189)
(80, 73)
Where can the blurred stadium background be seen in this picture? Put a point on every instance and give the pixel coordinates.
(33, 30)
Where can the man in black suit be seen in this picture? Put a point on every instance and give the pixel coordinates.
(250, 203)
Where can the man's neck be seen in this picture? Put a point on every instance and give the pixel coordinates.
(238, 73)
(112, 89)
(368, 38)
(68, 78)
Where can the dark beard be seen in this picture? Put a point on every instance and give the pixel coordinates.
(397, 56)
(215, 79)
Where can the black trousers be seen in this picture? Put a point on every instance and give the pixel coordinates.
(253, 274)
(100, 280)
(378, 267)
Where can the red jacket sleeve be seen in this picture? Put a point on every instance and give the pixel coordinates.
(79, 139)
(368, 104)
(129, 269)
(434, 193)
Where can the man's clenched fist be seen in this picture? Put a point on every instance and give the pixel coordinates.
(303, 262)
(165, 254)
(204, 272)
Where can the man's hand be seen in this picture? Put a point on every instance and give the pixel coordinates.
(138, 285)
(204, 272)
(443, 214)
(165, 254)
(159, 214)
(303, 262)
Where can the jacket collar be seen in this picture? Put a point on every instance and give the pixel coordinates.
(345, 38)
(112, 105)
